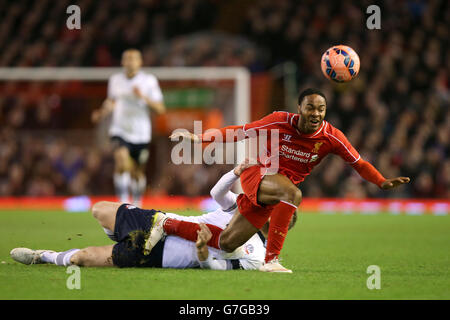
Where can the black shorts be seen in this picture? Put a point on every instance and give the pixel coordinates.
(131, 228)
(138, 152)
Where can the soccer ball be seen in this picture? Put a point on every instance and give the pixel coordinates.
(340, 63)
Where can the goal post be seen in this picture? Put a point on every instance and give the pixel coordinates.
(230, 87)
(240, 75)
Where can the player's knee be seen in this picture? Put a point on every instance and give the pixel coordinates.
(84, 258)
(227, 243)
(136, 173)
(78, 258)
(227, 246)
(293, 195)
(99, 209)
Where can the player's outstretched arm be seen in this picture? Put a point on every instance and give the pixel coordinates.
(371, 174)
(367, 171)
(230, 133)
(226, 134)
(221, 192)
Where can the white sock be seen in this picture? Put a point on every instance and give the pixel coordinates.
(137, 189)
(122, 184)
(49, 256)
(59, 258)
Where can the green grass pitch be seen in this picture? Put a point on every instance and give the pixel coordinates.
(329, 256)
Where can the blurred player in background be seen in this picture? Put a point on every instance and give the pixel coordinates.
(132, 94)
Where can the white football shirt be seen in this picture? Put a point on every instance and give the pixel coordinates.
(180, 253)
(131, 116)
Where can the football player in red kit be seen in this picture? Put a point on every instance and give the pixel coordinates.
(304, 139)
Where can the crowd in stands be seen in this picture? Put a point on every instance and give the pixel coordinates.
(396, 112)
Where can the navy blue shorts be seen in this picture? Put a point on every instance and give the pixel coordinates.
(138, 152)
(131, 228)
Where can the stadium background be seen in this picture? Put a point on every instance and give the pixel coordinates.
(395, 112)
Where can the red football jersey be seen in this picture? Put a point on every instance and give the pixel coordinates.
(299, 153)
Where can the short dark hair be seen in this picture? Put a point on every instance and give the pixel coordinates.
(308, 92)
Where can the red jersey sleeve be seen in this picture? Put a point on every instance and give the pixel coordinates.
(237, 133)
(274, 118)
(226, 134)
(368, 172)
(346, 151)
(342, 147)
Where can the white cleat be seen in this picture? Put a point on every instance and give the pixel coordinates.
(274, 266)
(27, 256)
(156, 232)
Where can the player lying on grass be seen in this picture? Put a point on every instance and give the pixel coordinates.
(131, 224)
(305, 138)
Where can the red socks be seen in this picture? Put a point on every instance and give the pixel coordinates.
(278, 228)
(188, 230)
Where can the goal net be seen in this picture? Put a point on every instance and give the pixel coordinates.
(48, 110)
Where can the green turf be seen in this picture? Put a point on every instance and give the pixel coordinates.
(329, 255)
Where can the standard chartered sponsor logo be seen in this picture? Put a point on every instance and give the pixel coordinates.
(300, 153)
(293, 157)
(293, 154)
